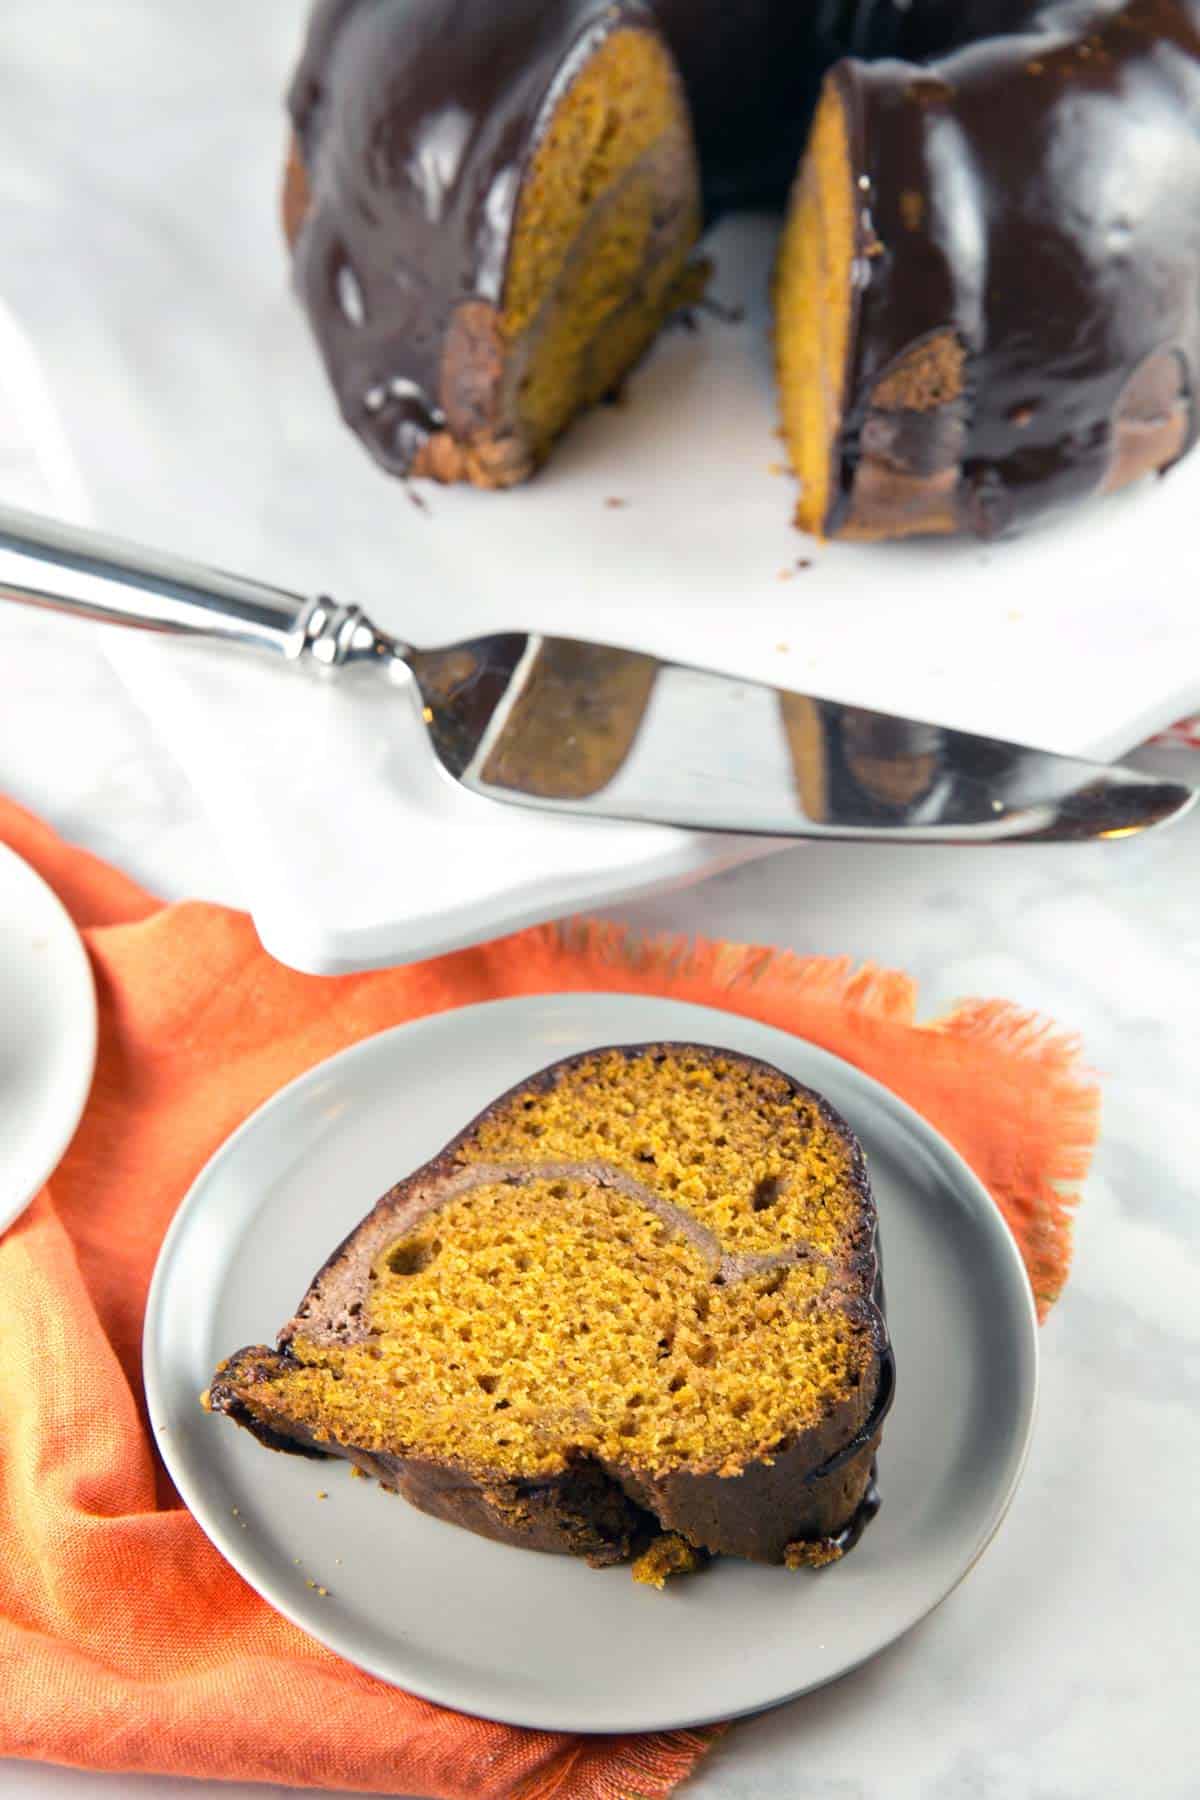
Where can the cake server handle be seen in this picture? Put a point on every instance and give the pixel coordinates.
(93, 576)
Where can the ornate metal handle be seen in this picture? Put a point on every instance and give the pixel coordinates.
(118, 583)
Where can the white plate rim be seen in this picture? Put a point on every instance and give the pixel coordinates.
(71, 962)
(228, 1541)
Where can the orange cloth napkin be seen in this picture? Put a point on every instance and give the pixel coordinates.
(126, 1643)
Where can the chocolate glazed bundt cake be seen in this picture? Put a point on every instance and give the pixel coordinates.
(491, 208)
(987, 289)
(639, 1295)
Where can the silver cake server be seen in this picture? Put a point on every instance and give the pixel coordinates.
(574, 727)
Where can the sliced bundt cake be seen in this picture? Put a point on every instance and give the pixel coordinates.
(490, 209)
(985, 298)
(639, 1293)
(984, 294)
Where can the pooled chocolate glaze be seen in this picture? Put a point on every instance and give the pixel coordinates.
(1037, 196)
(868, 1509)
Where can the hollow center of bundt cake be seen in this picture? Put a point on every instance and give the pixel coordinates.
(643, 1259)
(608, 212)
(813, 299)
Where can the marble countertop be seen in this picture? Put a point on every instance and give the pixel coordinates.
(1066, 1666)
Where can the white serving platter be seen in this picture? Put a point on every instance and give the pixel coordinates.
(1082, 636)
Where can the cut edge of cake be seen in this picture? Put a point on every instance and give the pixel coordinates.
(816, 1489)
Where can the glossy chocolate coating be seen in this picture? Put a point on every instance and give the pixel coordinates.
(1037, 196)
(935, 27)
(413, 120)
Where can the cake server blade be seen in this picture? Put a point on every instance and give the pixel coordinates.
(591, 729)
(587, 728)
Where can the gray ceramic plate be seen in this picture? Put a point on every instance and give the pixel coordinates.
(543, 1640)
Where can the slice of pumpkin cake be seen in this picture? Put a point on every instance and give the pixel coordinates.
(640, 1293)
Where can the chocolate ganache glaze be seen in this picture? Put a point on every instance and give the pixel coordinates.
(1026, 329)
(1030, 213)
(413, 121)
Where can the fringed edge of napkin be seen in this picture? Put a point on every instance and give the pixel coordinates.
(638, 1769)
